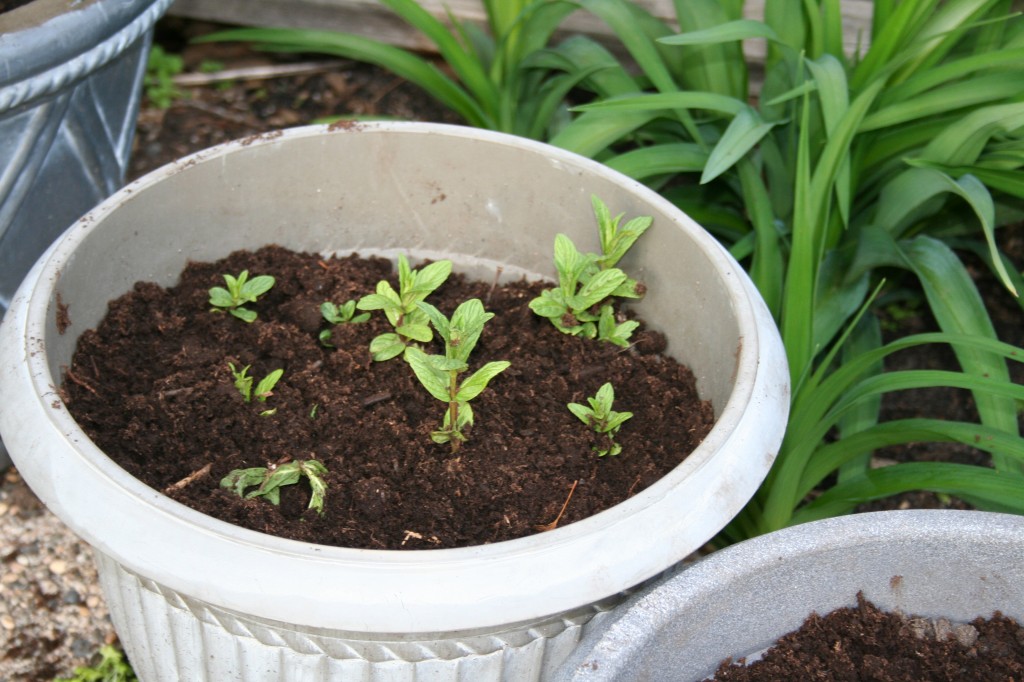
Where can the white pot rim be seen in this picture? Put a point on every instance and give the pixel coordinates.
(402, 591)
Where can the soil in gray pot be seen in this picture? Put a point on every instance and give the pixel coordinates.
(152, 387)
(862, 643)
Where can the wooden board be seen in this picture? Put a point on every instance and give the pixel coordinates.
(370, 18)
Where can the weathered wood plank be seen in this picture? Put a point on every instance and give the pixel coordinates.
(369, 18)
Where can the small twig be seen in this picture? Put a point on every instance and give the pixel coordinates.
(256, 73)
(221, 112)
(376, 398)
(199, 473)
(554, 524)
(81, 382)
(494, 284)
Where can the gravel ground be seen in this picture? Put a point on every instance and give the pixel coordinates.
(45, 567)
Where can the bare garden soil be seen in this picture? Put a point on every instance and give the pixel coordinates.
(153, 388)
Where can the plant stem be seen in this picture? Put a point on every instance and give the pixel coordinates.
(453, 409)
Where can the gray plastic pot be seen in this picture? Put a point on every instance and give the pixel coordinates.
(194, 598)
(739, 601)
(70, 81)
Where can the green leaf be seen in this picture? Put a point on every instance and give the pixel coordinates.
(386, 299)
(598, 288)
(582, 412)
(416, 332)
(744, 132)
(740, 29)
(265, 388)
(257, 286)
(221, 298)
(477, 382)
(386, 346)
(244, 314)
(239, 480)
(431, 378)
(467, 325)
(603, 400)
(550, 304)
(437, 318)
(427, 280)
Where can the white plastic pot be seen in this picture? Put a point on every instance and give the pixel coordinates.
(932, 563)
(194, 598)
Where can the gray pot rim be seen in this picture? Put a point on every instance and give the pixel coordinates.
(92, 33)
(602, 654)
(761, 396)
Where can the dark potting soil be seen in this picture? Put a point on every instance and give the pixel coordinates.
(152, 387)
(864, 644)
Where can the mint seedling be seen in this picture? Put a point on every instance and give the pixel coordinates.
(343, 314)
(587, 282)
(602, 418)
(440, 375)
(239, 291)
(271, 479)
(264, 389)
(401, 309)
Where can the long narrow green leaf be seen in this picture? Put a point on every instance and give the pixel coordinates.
(594, 131)
(963, 480)
(465, 64)
(661, 159)
(766, 268)
(963, 141)
(801, 275)
(958, 96)
(398, 61)
(1006, 61)
(1009, 181)
(958, 308)
(866, 336)
(832, 456)
(740, 29)
(668, 101)
(743, 133)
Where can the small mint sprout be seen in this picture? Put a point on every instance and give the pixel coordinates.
(602, 418)
(440, 374)
(239, 291)
(264, 389)
(343, 314)
(271, 479)
(401, 307)
(581, 304)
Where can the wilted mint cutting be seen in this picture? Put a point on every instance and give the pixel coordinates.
(240, 290)
(271, 479)
(440, 375)
(401, 309)
(602, 418)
